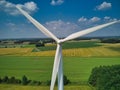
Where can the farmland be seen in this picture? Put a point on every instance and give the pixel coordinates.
(82, 49)
(79, 59)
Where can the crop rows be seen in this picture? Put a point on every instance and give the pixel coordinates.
(15, 51)
(83, 52)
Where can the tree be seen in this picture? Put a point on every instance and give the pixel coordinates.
(0, 80)
(18, 81)
(66, 81)
(12, 80)
(40, 44)
(48, 82)
(24, 80)
(105, 77)
(35, 83)
(110, 40)
(5, 79)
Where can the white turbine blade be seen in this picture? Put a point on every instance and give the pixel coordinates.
(86, 31)
(56, 65)
(37, 24)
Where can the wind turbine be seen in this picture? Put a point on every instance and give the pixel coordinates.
(57, 67)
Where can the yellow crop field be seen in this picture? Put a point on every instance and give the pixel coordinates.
(88, 52)
(15, 51)
(103, 50)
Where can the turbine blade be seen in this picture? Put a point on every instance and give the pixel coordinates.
(38, 25)
(58, 56)
(86, 31)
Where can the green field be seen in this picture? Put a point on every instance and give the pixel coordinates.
(19, 87)
(39, 68)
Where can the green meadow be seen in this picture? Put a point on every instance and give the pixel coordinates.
(40, 68)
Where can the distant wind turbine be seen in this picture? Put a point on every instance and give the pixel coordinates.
(57, 67)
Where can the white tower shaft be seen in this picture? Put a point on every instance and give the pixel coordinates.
(60, 74)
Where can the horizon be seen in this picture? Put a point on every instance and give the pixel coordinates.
(89, 37)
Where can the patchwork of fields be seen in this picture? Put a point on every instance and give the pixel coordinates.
(79, 59)
(81, 49)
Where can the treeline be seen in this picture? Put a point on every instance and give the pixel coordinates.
(105, 77)
(111, 40)
(26, 81)
(23, 81)
(33, 41)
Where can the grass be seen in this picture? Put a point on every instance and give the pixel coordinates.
(39, 68)
(19, 87)
(28, 46)
(80, 44)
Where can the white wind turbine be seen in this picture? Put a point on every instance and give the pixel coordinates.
(57, 68)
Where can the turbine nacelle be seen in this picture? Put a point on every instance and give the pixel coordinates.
(60, 41)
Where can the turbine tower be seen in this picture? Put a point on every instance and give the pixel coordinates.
(57, 67)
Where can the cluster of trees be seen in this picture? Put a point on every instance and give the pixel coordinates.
(26, 81)
(112, 40)
(105, 77)
(40, 44)
(23, 81)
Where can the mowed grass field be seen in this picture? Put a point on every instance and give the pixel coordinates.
(19, 87)
(40, 68)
